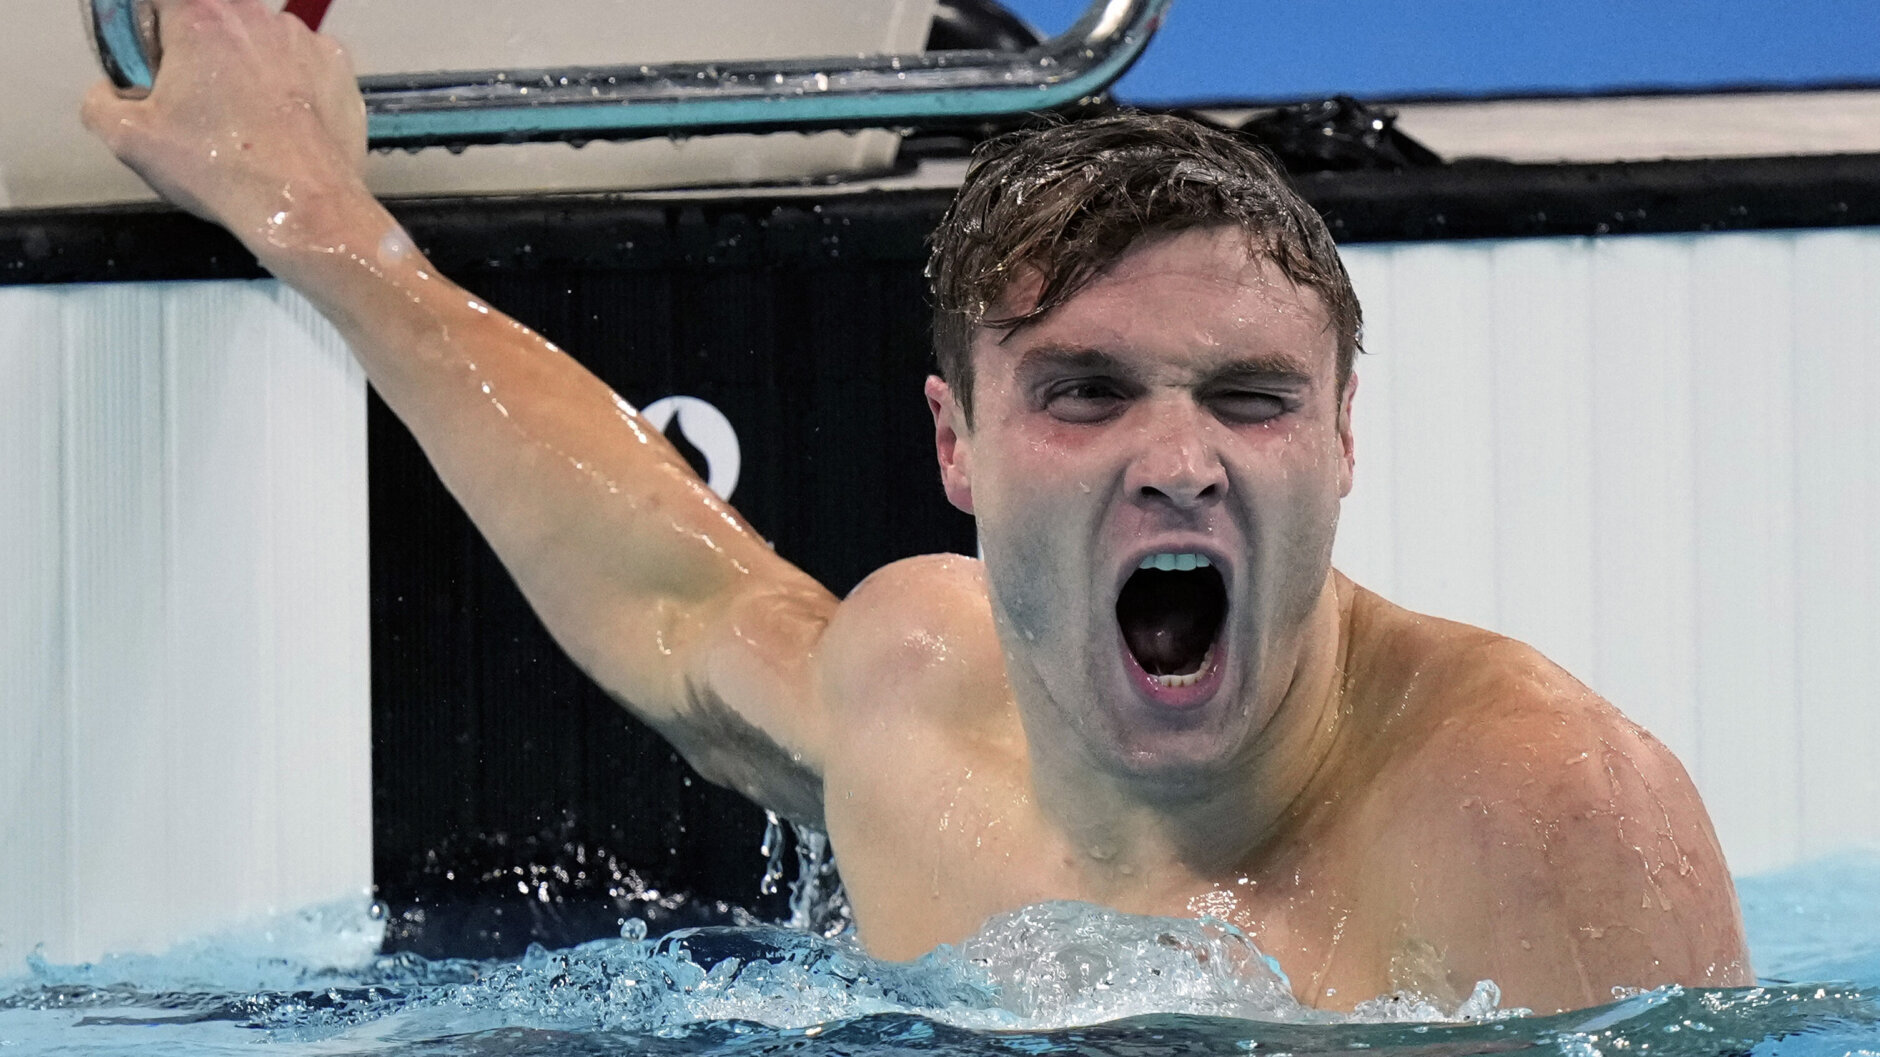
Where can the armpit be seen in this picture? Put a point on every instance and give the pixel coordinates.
(728, 750)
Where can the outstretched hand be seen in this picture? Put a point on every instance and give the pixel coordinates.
(254, 122)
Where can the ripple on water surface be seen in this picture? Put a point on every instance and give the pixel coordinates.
(1059, 978)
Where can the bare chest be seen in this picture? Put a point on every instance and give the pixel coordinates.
(931, 860)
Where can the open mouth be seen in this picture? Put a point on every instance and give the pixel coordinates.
(1171, 609)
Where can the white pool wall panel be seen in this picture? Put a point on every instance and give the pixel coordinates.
(184, 735)
(1656, 458)
(33, 738)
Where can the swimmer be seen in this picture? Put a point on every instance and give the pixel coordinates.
(1154, 692)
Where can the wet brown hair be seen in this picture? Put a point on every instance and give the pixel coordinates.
(1067, 199)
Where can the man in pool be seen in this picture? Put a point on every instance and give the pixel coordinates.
(1152, 693)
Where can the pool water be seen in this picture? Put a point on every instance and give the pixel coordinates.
(1058, 978)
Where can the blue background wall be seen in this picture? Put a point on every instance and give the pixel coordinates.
(1265, 50)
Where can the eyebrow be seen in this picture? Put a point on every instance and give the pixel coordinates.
(1278, 366)
(1052, 357)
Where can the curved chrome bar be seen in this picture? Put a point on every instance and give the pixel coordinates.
(629, 102)
(124, 34)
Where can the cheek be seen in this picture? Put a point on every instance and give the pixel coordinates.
(1030, 478)
(1298, 491)
(1023, 590)
(1318, 452)
(1032, 565)
(1317, 492)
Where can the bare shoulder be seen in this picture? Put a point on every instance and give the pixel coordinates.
(1492, 717)
(916, 633)
(1460, 693)
(1567, 848)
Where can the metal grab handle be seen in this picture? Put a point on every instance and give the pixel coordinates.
(124, 34)
(630, 102)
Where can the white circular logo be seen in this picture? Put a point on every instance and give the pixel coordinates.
(708, 430)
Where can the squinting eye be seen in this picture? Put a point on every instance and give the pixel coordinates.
(1247, 407)
(1083, 401)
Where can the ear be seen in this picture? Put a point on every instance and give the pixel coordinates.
(1348, 449)
(952, 443)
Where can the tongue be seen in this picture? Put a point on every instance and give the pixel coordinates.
(1171, 642)
(1169, 619)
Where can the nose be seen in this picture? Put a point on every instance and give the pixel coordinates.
(1177, 464)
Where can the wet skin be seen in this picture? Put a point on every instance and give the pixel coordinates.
(1384, 800)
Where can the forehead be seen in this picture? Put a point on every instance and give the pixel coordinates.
(1199, 295)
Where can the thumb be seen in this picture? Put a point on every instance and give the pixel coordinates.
(109, 116)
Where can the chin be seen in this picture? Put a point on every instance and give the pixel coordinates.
(1191, 757)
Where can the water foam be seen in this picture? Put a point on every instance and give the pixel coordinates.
(1044, 967)
(312, 982)
(1028, 981)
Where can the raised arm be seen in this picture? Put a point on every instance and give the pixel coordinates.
(656, 588)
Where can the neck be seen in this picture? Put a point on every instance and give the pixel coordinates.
(1141, 831)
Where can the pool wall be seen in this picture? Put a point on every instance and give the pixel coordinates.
(184, 650)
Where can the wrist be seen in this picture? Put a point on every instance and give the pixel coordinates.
(309, 215)
(307, 225)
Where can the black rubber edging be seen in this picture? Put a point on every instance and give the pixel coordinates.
(1498, 200)
(611, 231)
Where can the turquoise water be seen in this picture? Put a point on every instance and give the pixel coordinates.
(1054, 978)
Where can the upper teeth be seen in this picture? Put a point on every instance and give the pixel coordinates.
(1171, 563)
